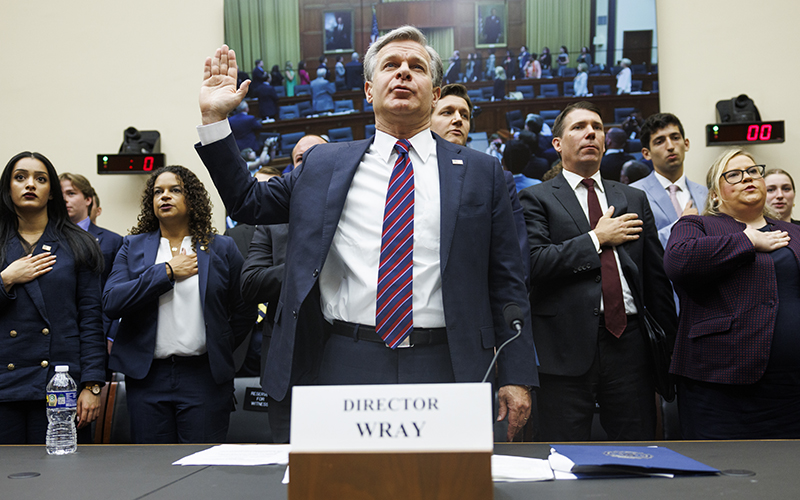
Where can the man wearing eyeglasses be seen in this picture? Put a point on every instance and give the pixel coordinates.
(670, 193)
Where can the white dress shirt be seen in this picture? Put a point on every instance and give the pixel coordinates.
(683, 194)
(582, 193)
(181, 328)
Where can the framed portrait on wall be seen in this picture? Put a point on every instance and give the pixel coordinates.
(338, 32)
(491, 24)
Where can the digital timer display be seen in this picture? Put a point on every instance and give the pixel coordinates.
(129, 163)
(724, 134)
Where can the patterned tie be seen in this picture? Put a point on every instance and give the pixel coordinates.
(262, 312)
(615, 317)
(673, 197)
(394, 316)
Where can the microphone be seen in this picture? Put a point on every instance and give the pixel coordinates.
(512, 315)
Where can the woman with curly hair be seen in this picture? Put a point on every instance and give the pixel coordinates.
(175, 286)
(49, 301)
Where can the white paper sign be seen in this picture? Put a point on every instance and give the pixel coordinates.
(392, 418)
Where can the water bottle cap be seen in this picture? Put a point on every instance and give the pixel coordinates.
(62, 368)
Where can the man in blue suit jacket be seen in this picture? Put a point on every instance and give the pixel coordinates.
(664, 142)
(466, 259)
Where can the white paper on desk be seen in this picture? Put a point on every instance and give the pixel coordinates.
(506, 468)
(239, 454)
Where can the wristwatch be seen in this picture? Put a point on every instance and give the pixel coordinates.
(95, 388)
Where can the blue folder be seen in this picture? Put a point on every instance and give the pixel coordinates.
(613, 460)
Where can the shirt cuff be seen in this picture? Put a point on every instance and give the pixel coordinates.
(213, 132)
(595, 241)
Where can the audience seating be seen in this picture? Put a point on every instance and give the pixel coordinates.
(515, 120)
(569, 88)
(113, 425)
(615, 70)
(475, 95)
(279, 90)
(288, 112)
(526, 90)
(305, 108)
(569, 72)
(478, 141)
(344, 134)
(549, 116)
(367, 106)
(639, 69)
(302, 90)
(547, 73)
(655, 86)
(548, 90)
(487, 93)
(247, 426)
(636, 85)
(343, 105)
(602, 90)
(595, 69)
(621, 113)
(288, 141)
(369, 130)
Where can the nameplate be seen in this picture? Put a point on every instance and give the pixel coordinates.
(255, 399)
(392, 418)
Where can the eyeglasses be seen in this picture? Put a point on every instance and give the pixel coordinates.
(737, 176)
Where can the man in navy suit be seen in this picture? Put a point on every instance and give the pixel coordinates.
(466, 261)
(596, 264)
(670, 193)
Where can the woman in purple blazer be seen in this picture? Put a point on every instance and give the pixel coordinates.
(737, 272)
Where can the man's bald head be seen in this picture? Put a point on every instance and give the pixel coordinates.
(302, 146)
(616, 138)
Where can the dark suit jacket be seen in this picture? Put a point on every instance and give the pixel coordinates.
(136, 283)
(354, 75)
(611, 166)
(267, 101)
(729, 298)
(480, 259)
(54, 319)
(110, 243)
(242, 235)
(565, 272)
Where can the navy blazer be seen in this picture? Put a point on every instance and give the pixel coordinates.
(729, 298)
(53, 320)
(110, 243)
(481, 264)
(136, 283)
(565, 272)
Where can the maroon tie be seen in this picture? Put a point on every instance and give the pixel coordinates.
(615, 318)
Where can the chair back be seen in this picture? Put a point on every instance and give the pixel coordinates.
(305, 108)
(515, 120)
(602, 90)
(344, 134)
(288, 112)
(288, 142)
(548, 90)
(621, 113)
(302, 89)
(526, 90)
(569, 88)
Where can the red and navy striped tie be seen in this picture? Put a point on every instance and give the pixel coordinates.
(394, 317)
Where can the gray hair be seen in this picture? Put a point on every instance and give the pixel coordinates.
(399, 34)
(321, 72)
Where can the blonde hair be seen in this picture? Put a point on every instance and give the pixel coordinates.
(715, 175)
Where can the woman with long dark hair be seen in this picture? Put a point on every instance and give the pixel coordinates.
(175, 286)
(49, 300)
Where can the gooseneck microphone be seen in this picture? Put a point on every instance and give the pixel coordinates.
(512, 315)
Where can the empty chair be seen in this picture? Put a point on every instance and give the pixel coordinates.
(487, 92)
(636, 85)
(547, 73)
(595, 69)
(549, 116)
(655, 86)
(639, 69)
(288, 141)
(279, 91)
(602, 90)
(569, 72)
(478, 141)
(302, 90)
(343, 134)
(569, 88)
(527, 91)
(548, 90)
(654, 68)
(367, 106)
(288, 112)
(246, 424)
(475, 95)
(369, 130)
(621, 113)
(305, 108)
(515, 119)
(343, 105)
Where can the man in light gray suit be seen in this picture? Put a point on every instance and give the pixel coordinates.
(670, 193)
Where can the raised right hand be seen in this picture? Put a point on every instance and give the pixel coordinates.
(183, 266)
(218, 94)
(767, 241)
(614, 231)
(27, 268)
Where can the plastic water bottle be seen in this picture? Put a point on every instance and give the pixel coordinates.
(62, 405)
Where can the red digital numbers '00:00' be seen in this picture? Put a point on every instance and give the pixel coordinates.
(759, 132)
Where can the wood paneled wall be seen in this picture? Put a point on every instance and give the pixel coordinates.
(458, 14)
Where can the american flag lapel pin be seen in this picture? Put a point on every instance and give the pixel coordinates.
(458, 162)
(46, 248)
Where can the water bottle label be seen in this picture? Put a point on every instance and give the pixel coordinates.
(62, 399)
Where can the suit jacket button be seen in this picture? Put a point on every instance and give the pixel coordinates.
(13, 333)
(45, 364)
(597, 279)
(315, 273)
(294, 314)
(575, 271)
(596, 311)
(11, 366)
(45, 331)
